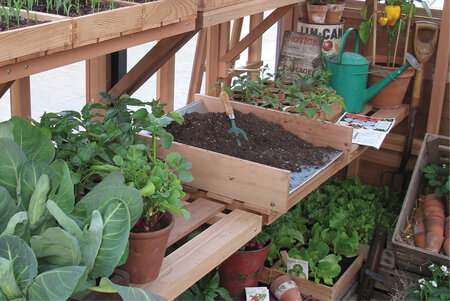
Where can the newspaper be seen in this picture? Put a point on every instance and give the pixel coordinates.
(367, 130)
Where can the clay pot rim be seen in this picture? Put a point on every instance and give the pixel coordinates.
(255, 251)
(160, 232)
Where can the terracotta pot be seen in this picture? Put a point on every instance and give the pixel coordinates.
(446, 246)
(335, 12)
(317, 13)
(392, 95)
(418, 214)
(433, 211)
(435, 224)
(433, 241)
(303, 11)
(242, 270)
(432, 200)
(147, 252)
(419, 239)
(447, 227)
(285, 289)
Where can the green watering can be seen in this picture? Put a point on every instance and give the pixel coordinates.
(349, 77)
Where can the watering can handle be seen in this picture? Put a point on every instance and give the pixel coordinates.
(341, 48)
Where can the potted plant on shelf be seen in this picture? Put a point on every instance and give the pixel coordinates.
(317, 11)
(50, 246)
(242, 269)
(335, 9)
(159, 182)
(396, 17)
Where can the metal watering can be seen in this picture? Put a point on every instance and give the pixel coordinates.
(349, 77)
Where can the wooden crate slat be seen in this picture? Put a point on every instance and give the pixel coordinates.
(197, 257)
(168, 11)
(217, 15)
(201, 211)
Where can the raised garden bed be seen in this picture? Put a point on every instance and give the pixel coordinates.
(271, 188)
(78, 31)
(407, 255)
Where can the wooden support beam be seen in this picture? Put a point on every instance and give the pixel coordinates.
(98, 77)
(165, 84)
(255, 34)
(150, 63)
(255, 48)
(58, 59)
(224, 42)
(20, 98)
(4, 87)
(198, 66)
(212, 58)
(440, 75)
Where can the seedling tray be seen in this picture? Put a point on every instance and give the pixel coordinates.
(257, 184)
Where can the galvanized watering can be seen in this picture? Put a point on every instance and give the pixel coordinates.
(350, 72)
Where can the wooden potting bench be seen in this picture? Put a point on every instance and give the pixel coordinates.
(172, 23)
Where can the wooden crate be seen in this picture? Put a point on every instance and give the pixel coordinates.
(36, 39)
(319, 291)
(256, 184)
(409, 257)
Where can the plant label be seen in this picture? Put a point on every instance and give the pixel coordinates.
(298, 268)
(257, 293)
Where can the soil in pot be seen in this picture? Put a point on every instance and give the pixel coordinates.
(268, 143)
(147, 250)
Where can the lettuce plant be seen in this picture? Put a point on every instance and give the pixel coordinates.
(50, 247)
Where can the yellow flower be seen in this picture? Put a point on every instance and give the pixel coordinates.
(382, 21)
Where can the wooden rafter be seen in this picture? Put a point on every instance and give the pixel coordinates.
(4, 87)
(255, 33)
(150, 63)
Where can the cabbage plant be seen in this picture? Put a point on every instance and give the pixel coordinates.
(50, 247)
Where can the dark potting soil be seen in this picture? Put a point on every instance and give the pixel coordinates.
(268, 143)
(23, 22)
(85, 8)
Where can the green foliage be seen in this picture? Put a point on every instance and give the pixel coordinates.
(306, 94)
(48, 252)
(351, 207)
(435, 287)
(437, 178)
(206, 289)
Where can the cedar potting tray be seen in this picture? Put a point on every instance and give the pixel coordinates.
(257, 184)
(407, 256)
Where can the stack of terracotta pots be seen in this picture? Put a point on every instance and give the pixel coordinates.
(429, 225)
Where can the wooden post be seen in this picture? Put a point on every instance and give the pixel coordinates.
(98, 77)
(165, 82)
(20, 98)
(440, 74)
(255, 48)
(212, 58)
(198, 67)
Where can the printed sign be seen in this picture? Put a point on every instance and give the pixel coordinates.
(331, 34)
(300, 53)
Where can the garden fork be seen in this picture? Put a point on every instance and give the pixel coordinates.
(229, 110)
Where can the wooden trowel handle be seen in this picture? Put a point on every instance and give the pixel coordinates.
(424, 49)
(226, 102)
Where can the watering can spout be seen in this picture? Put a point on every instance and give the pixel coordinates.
(370, 92)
